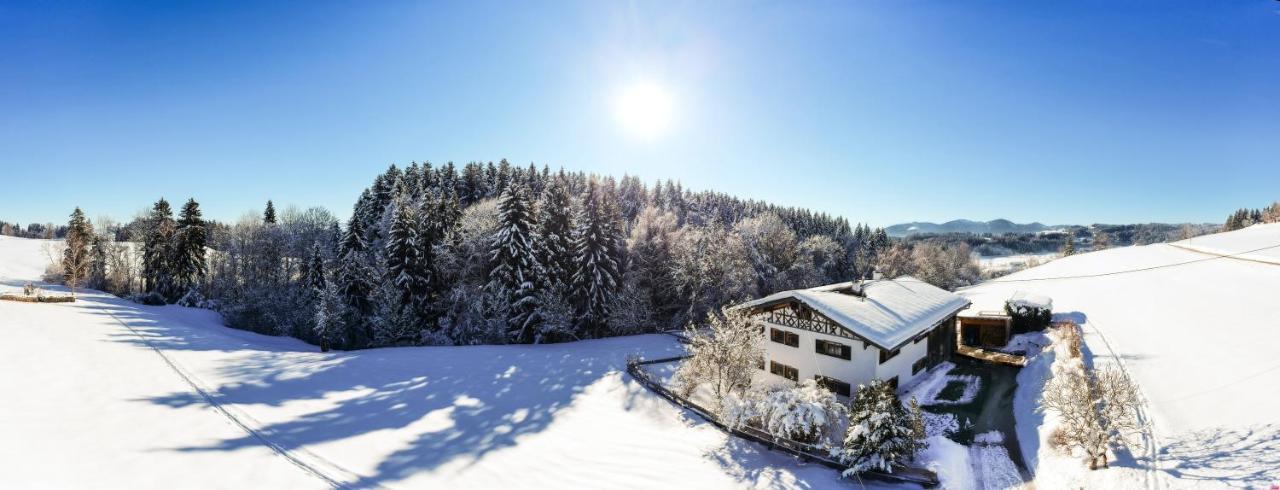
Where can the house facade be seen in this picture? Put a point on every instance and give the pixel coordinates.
(848, 334)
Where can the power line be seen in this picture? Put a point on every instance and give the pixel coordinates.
(1142, 269)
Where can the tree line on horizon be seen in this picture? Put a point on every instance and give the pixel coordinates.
(490, 253)
(1245, 217)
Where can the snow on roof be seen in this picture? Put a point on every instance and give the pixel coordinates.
(1031, 300)
(887, 313)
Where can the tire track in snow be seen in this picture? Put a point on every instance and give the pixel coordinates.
(238, 419)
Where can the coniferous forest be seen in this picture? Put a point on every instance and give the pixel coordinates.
(485, 254)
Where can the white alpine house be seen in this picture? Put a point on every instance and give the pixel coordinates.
(847, 334)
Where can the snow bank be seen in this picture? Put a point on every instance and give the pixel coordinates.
(950, 460)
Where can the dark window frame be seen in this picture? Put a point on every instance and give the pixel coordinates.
(790, 339)
(833, 385)
(784, 371)
(919, 365)
(886, 355)
(825, 347)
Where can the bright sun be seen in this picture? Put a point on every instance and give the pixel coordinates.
(644, 110)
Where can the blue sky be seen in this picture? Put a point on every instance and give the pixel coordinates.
(884, 112)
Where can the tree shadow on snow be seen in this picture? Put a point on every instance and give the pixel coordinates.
(453, 403)
(1239, 457)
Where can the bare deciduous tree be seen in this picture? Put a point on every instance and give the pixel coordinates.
(722, 358)
(1097, 409)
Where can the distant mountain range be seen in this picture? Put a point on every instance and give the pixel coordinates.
(995, 226)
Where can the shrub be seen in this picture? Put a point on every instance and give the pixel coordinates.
(193, 299)
(152, 298)
(1027, 318)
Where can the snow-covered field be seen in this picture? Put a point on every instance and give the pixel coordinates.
(1197, 332)
(1005, 264)
(104, 393)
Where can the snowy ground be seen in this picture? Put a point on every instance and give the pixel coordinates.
(104, 393)
(1197, 333)
(1006, 264)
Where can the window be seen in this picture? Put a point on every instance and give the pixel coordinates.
(833, 385)
(784, 371)
(784, 337)
(919, 365)
(893, 382)
(833, 349)
(885, 355)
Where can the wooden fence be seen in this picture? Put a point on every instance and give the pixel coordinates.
(806, 452)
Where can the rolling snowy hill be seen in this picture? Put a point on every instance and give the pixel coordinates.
(995, 226)
(104, 393)
(1197, 331)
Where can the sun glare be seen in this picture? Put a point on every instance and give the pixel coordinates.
(644, 110)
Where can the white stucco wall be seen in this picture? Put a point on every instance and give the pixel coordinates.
(900, 365)
(863, 366)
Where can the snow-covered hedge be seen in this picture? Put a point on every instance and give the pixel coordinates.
(1030, 312)
(804, 412)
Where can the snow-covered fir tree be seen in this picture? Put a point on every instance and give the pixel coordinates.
(595, 276)
(408, 277)
(554, 244)
(355, 282)
(157, 269)
(98, 263)
(314, 270)
(515, 265)
(189, 248)
(269, 214)
(881, 431)
(330, 325)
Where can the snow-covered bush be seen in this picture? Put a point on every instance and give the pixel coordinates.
(804, 413)
(1030, 313)
(881, 430)
(193, 299)
(152, 298)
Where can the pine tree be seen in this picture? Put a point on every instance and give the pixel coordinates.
(596, 273)
(269, 216)
(555, 234)
(881, 431)
(188, 259)
(515, 265)
(1069, 247)
(329, 325)
(314, 270)
(157, 271)
(355, 283)
(76, 259)
(406, 267)
(98, 263)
